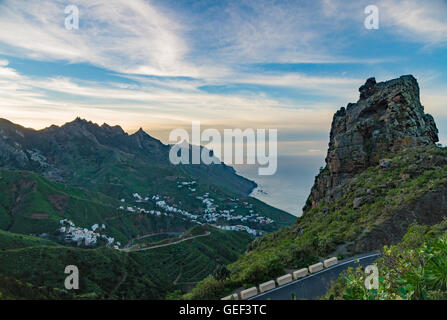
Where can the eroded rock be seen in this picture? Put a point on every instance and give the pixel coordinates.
(388, 117)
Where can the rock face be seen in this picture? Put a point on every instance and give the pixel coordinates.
(388, 117)
(85, 154)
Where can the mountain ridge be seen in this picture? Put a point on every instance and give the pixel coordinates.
(56, 152)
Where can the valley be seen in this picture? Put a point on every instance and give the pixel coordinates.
(81, 194)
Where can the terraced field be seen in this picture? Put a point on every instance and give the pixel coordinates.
(108, 273)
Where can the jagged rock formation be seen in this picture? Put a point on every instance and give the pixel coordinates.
(103, 157)
(384, 173)
(388, 117)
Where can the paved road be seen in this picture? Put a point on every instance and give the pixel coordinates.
(315, 285)
(166, 244)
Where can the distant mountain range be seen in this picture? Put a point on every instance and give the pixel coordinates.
(104, 158)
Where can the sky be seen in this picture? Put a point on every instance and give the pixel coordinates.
(162, 64)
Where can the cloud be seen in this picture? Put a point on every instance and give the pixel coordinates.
(341, 87)
(125, 36)
(258, 31)
(416, 21)
(172, 54)
(39, 102)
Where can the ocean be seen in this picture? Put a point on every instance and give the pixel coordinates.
(290, 186)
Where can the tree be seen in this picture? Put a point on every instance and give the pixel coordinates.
(221, 273)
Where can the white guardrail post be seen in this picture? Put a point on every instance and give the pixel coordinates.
(266, 286)
(330, 262)
(249, 293)
(300, 273)
(316, 267)
(284, 279)
(287, 278)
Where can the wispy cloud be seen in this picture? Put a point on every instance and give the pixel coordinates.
(173, 55)
(125, 36)
(424, 22)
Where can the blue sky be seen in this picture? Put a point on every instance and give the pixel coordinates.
(248, 63)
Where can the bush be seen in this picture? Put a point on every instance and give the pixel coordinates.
(209, 288)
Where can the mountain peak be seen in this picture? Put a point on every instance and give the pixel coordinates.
(388, 117)
(140, 131)
(80, 120)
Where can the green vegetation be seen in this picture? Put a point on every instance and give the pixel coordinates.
(34, 268)
(31, 204)
(100, 166)
(414, 269)
(338, 227)
(16, 241)
(154, 240)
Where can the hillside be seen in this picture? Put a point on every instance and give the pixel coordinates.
(105, 159)
(34, 268)
(414, 269)
(31, 204)
(87, 195)
(383, 173)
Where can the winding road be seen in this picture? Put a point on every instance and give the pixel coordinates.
(166, 244)
(317, 284)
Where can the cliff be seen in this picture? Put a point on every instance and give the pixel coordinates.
(388, 117)
(384, 173)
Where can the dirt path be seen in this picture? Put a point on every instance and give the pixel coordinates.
(165, 245)
(151, 234)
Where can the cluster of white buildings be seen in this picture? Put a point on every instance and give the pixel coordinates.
(210, 214)
(188, 184)
(249, 230)
(253, 218)
(163, 205)
(84, 236)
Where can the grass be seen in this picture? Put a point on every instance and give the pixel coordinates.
(141, 275)
(322, 230)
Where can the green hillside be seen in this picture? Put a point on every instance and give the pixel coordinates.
(106, 159)
(30, 204)
(414, 269)
(410, 188)
(34, 268)
(90, 195)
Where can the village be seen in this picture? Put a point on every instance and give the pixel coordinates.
(211, 214)
(225, 219)
(84, 236)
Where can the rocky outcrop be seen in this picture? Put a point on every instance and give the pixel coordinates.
(428, 209)
(388, 117)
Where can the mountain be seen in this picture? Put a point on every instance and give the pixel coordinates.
(113, 205)
(105, 159)
(387, 118)
(384, 172)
